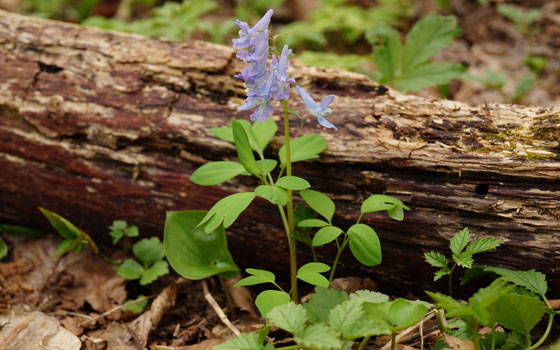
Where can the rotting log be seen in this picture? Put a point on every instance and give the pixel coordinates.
(97, 125)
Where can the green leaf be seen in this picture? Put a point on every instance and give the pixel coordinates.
(149, 250)
(524, 85)
(482, 245)
(258, 277)
(405, 313)
(459, 241)
(319, 202)
(223, 133)
(519, 313)
(244, 150)
(388, 55)
(312, 223)
(348, 318)
(157, 269)
(64, 246)
(435, 259)
(136, 307)
(130, 269)
(215, 173)
(429, 74)
(310, 273)
(264, 132)
(64, 227)
(483, 300)
(293, 183)
(290, 317)
(453, 307)
(244, 341)
(117, 230)
(464, 259)
(266, 165)
(428, 36)
(3, 249)
(21, 231)
(326, 235)
(370, 296)
(273, 194)
(364, 244)
(532, 280)
(269, 299)
(303, 148)
(322, 302)
(378, 202)
(226, 211)
(193, 253)
(318, 336)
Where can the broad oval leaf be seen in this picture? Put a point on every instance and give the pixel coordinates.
(303, 148)
(364, 244)
(264, 132)
(215, 173)
(326, 235)
(273, 194)
(130, 269)
(310, 273)
(269, 299)
(193, 253)
(293, 183)
(64, 227)
(226, 211)
(405, 313)
(378, 202)
(244, 150)
(223, 133)
(312, 223)
(258, 277)
(319, 202)
(148, 250)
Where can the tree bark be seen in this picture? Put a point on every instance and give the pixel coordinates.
(97, 126)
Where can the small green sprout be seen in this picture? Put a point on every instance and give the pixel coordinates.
(136, 306)
(120, 229)
(150, 252)
(522, 19)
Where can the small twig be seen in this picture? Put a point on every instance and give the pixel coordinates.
(116, 308)
(137, 341)
(214, 304)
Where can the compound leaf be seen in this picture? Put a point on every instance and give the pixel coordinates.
(482, 245)
(148, 251)
(257, 277)
(159, 268)
(460, 240)
(322, 301)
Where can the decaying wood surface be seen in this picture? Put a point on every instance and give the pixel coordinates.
(97, 126)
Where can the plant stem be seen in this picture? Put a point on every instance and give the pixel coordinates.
(364, 342)
(337, 257)
(545, 335)
(440, 318)
(290, 207)
(474, 332)
(229, 301)
(393, 336)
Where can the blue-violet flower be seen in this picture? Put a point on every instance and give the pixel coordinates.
(319, 111)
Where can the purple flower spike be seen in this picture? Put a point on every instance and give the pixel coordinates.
(319, 111)
(282, 89)
(248, 35)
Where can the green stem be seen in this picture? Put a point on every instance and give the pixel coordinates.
(440, 318)
(474, 333)
(229, 301)
(546, 333)
(337, 257)
(289, 347)
(493, 338)
(364, 342)
(290, 207)
(393, 336)
(108, 260)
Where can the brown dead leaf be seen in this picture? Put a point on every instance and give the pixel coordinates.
(554, 304)
(207, 344)
(241, 296)
(117, 337)
(150, 319)
(352, 284)
(457, 343)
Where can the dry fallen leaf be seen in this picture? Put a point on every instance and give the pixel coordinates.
(352, 284)
(241, 296)
(207, 344)
(35, 330)
(457, 343)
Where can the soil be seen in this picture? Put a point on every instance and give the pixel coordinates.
(85, 294)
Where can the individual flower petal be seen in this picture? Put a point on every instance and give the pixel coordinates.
(247, 35)
(319, 111)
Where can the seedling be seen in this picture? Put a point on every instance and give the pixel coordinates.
(522, 19)
(150, 252)
(462, 249)
(120, 229)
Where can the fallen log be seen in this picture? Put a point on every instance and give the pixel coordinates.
(97, 126)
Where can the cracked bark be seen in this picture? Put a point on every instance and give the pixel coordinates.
(98, 126)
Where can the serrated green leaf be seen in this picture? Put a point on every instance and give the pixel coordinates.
(244, 149)
(364, 244)
(273, 194)
(519, 313)
(64, 227)
(269, 299)
(441, 273)
(428, 36)
(312, 223)
(532, 280)
(136, 307)
(290, 317)
(244, 341)
(226, 211)
(319, 202)
(322, 301)
(459, 241)
(348, 318)
(215, 173)
(464, 259)
(326, 235)
(482, 245)
(483, 301)
(157, 269)
(429, 74)
(293, 183)
(193, 253)
(264, 132)
(148, 251)
(130, 269)
(370, 296)
(303, 148)
(452, 307)
(258, 277)
(435, 259)
(310, 273)
(318, 336)
(388, 55)
(3, 249)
